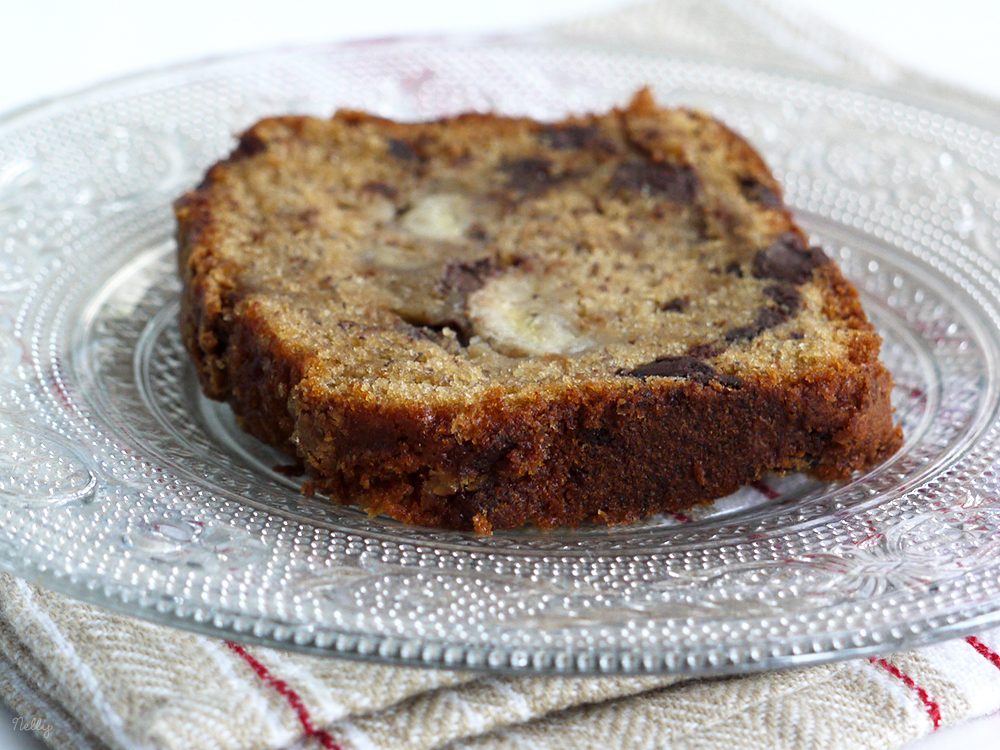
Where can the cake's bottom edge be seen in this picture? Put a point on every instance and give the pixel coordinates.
(600, 455)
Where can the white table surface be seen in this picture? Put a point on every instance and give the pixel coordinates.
(49, 47)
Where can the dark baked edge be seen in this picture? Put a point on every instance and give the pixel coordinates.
(610, 451)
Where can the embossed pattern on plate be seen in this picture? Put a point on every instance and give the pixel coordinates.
(120, 484)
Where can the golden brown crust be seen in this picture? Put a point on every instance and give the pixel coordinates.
(554, 452)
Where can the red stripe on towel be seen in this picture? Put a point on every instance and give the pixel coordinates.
(985, 651)
(283, 689)
(933, 709)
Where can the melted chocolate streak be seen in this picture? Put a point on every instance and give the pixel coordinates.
(684, 366)
(786, 260)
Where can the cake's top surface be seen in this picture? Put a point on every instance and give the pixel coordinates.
(432, 261)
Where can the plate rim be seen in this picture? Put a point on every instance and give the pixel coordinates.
(117, 599)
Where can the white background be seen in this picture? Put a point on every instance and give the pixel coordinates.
(48, 48)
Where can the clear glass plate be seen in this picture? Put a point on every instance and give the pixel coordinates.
(121, 485)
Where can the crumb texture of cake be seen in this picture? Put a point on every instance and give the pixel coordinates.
(483, 322)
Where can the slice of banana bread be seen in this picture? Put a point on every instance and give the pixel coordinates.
(483, 322)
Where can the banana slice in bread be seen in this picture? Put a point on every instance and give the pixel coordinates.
(483, 322)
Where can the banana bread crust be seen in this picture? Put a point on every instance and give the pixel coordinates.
(660, 436)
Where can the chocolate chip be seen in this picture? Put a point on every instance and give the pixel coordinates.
(529, 175)
(677, 304)
(686, 367)
(788, 259)
(250, 144)
(403, 150)
(569, 137)
(734, 268)
(674, 367)
(757, 192)
(677, 183)
(467, 277)
(785, 296)
(788, 301)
